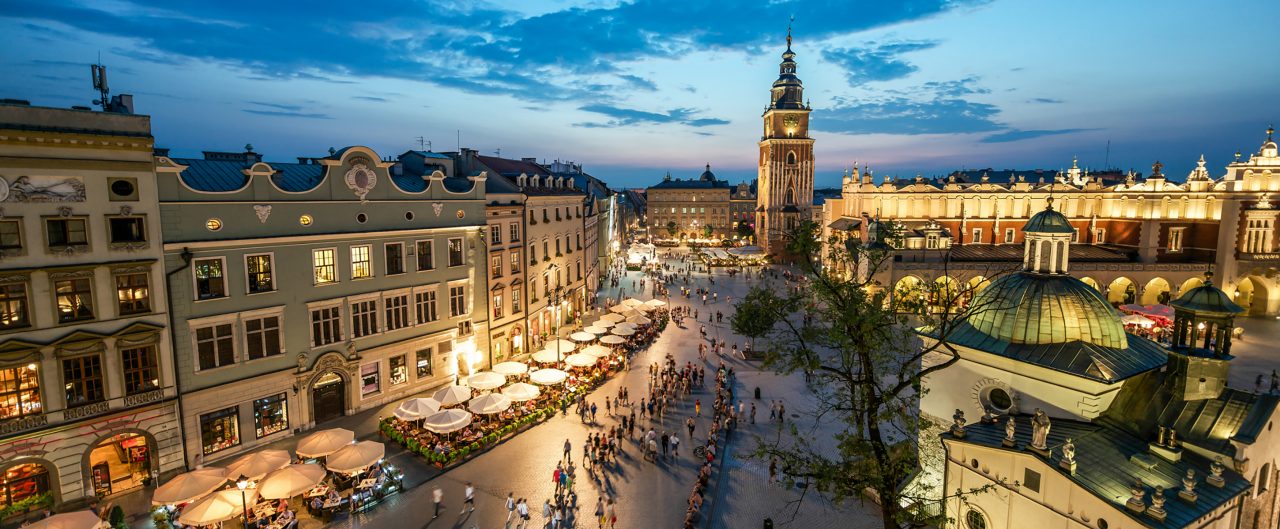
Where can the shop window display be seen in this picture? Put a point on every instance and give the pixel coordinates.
(22, 482)
(20, 392)
(220, 430)
(399, 370)
(271, 415)
(369, 379)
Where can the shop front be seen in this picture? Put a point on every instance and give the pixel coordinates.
(27, 485)
(121, 463)
(328, 396)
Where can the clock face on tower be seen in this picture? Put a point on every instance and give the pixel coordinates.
(791, 121)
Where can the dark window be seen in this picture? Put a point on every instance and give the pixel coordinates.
(10, 234)
(394, 253)
(975, 520)
(67, 232)
(133, 293)
(140, 369)
(220, 430)
(75, 300)
(424, 362)
(271, 415)
(495, 234)
(397, 312)
(262, 336)
(215, 346)
(13, 306)
(425, 306)
(326, 325)
(455, 252)
(260, 276)
(82, 377)
(20, 392)
(127, 229)
(1031, 479)
(426, 260)
(210, 281)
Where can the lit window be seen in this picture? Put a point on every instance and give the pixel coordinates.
(1175, 239)
(210, 280)
(140, 369)
(270, 415)
(133, 294)
(213, 224)
(75, 299)
(369, 383)
(220, 430)
(323, 265)
(515, 300)
(258, 271)
(495, 269)
(497, 305)
(20, 391)
(399, 373)
(515, 261)
(423, 359)
(360, 264)
(14, 307)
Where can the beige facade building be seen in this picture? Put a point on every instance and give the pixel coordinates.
(690, 209)
(1141, 240)
(88, 402)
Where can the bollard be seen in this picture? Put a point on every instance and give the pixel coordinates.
(757, 392)
(768, 523)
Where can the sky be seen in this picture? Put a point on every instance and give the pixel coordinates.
(634, 89)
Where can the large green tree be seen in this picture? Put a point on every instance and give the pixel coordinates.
(858, 341)
(672, 227)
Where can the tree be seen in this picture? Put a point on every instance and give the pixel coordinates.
(672, 227)
(744, 230)
(707, 231)
(864, 363)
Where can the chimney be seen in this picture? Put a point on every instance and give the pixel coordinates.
(303, 160)
(160, 151)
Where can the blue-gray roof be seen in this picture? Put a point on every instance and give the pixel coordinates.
(429, 154)
(212, 176)
(1103, 468)
(691, 184)
(409, 183)
(1048, 221)
(297, 178)
(458, 184)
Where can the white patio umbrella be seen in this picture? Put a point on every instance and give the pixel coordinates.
(603, 323)
(413, 409)
(489, 404)
(580, 360)
(511, 368)
(631, 302)
(614, 318)
(291, 481)
(639, 320)
(325, 442)
(596, 330)
(217, 507)
(445, 421)
(625, 325)
(656, 303)
(643, 308)
(189, 486)
(1136, 319)
(450, 395)
(356, 457)
(597, 350)
(613, 340)
(583, 336)
(258, 464)
(619, 308)
(520, 392)
(71, 520)
(548, 377)
(547, 356)
(566, 346)
(486, 381)
(632, 313)
(623, 331)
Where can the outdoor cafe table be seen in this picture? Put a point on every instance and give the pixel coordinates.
(367, 483)
(264, 510)
(317, 491)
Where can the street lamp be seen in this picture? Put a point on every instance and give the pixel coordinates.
(244, 503)
(553, 302)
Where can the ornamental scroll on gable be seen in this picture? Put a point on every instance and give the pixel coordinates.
(361, 180)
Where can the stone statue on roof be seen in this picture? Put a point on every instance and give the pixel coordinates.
(1010, 428)
(1040, 425)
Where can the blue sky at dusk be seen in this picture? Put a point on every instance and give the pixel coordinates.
(635, 89)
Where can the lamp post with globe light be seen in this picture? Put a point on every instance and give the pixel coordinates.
(244, 503)
(553, 303)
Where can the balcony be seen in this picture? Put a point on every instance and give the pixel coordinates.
(23, 424)
(1258, 256)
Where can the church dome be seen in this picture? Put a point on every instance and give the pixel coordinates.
(708, 176)
(1042, 309)
(1048, 221)
(1206, 298)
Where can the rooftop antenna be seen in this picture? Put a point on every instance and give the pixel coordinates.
(423, 143)
(99, 74)
(497, 152)
(1107, 162)
(459, 140)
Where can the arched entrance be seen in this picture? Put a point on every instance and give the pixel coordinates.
(1189, 284)
(1091, 282)
(328, 397)
(909, 292)
(1251, 295)
(1156, 291)
(120, 463)
(1122, 291)
(516, 341)
(28, 478)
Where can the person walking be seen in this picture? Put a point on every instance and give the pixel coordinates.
(753, 413)
(511, 507)
(689, 424)
(611, 514)
(600, 510)
(437, 497)
(522, 509)
(675, 445)
(470, 500)
(568, 451)
(546, 512)
(697, 407)
(782, 413)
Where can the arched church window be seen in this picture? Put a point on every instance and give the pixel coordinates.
(791, 157)
(791, 196)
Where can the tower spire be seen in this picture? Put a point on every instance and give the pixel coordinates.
(793, 19)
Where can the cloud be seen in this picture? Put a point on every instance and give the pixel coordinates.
(1045, 100)
(286, 114)
(486, 50)
(638, 82)
(876, 63)
(623, 117)
(935, 107)
(374, 99)
(1018, 135)
(279, 106)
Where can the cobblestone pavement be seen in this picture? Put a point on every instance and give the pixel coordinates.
(648, 494)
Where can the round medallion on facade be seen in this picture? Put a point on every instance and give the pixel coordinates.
(213, 224)
(4, 189)
(360, 180)
(305, 220)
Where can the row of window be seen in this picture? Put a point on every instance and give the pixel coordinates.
(83, 381)
(74, 299)
(210, 274)
(548, 213)
(61, 233)
(220, 430)
(495, 233)
(560, 249)
(497, 268)
(229, 339)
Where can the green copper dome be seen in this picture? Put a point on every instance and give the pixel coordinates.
(1040, 309)
(1048, 221)
(1207, 298)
